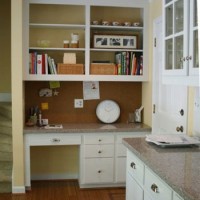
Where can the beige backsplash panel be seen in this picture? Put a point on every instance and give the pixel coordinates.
(61, 108)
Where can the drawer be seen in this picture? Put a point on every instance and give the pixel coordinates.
(98, 139)
(135, 167)
(52, 139)
(156, 187)
(99, 151)
(120, 150)
(98, 170)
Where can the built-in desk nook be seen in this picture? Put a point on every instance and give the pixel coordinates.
(102, 157)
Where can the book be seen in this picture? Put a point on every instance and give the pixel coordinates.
(39, 64)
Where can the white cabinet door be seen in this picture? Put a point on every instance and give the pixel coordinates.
(133, 189)
(168, 100)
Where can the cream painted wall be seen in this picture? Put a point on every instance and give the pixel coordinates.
(155, 10)
(5, 44)
(17, 94)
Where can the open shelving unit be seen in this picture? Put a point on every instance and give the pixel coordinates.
(54, 21)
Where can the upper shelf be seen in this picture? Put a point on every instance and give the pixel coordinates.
(131, 28)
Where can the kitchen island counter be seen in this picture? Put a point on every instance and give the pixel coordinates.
(178, 167)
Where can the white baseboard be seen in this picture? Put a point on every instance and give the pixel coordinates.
(18, 189)
(5, 97)
(53, 176)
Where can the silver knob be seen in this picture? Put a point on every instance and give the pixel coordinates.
(179, 128)
(133, 165)
(154, 188)
(55, 140)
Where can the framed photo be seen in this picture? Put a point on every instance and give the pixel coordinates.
(115, 41)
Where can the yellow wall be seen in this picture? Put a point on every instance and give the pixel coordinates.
(5, 44)
(17, 93)
(155, 10)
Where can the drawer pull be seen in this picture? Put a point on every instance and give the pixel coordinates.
(99, 151)
(100, 140)
(133, 165)
(99, 171)
(154, 188)
(55, 140)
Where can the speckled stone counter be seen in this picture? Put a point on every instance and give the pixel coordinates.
(178, 167)
(91, 127)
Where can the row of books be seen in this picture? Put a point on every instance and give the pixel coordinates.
(128, 63)
(41, 64)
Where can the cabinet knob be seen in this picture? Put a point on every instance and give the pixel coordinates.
(100, 140)
(181, 112)
(133, 165)
(154, 188)
(55, 140)
(99, 171)
(99, 151)
(189, 58)
(179, 128)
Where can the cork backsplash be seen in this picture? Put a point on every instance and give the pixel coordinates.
(61, 108)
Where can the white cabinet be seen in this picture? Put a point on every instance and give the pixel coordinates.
(97, 159)
(143, 184)
(181, 61)
(134, 178)
(48, 23)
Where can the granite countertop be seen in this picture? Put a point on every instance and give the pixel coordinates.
(91, 127)
(178, 167)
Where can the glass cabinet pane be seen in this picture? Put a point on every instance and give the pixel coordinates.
(178, 61)
(169, 20)
(195, 13)
(169, 54)
(196, 50)
(179, 13)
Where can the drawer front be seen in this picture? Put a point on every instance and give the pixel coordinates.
(120, 150)
(156, 187)
(98, 139)
(53, 139)
(99, 151)
(98, 170)
(135, 167)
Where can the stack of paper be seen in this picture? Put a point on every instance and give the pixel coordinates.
(172, 139)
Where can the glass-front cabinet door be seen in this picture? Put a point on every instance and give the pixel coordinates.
(175, 37)
(194, 47)
(181, 38)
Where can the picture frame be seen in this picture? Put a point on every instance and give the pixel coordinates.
(115, 41)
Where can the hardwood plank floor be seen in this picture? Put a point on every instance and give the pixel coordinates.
(65, 190)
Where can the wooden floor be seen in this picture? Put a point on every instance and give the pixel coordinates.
(65, 190)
